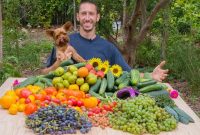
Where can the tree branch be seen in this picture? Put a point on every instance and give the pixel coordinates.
(149, 20)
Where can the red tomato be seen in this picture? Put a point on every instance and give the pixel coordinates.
(74, 101)
(24, 93)
(50, 90)
(55, 100)
(80, 103)
(39, 97)
(90, 113)
(30, 108)
(107, 108)
(27, 100)
(47, 97)
(69, 102)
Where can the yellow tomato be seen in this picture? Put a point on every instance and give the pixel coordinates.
(22, 100)
(13, 109)
(32, 98)
(21, 107)
(10, 93)
(78, 109)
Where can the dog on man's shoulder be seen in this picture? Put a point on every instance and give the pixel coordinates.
(64, 51)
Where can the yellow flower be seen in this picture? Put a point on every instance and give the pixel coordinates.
(116, 70)
(104, 68)
(106, 62)
(95, 62)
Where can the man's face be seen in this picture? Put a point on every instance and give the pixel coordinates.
(87, 16)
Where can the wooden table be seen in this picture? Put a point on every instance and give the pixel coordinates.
(14, 124)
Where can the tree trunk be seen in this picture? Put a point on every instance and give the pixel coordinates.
(1, 35)
(74, 4)
(164, 33)
(132, 39)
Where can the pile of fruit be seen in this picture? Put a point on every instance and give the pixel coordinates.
(79, 96)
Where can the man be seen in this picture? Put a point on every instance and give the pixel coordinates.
(88, 44)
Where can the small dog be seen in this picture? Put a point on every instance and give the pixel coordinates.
(64, 51)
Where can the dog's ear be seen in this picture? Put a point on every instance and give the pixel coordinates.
(50, 32)
(67, 26)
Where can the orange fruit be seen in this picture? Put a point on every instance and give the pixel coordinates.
(21, 107)
(82, 72)
(6, 101)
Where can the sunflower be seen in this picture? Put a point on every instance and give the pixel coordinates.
(103, 67)
(95, 62)
(106, 62)
(116, 70)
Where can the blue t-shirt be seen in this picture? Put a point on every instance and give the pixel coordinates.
(96, 48)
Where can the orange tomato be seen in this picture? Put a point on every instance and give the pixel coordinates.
(6, 101)
(40, 97)
(30, 108)
(51, 91)
(13, 109)
(90, 102)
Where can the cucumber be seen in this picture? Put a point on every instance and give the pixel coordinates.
(109, 94)
(154, 87)
(183, 120)
(124, 83)
(157, 93)
(66, 63)
(40, 84)
(46, 81)
(110, 80)
(172, 112)
(29, 81)
(50, 75)
(135, 77)
(181, 113)
(146, 83)
(103, 86)
(122, 77)
(94, 94)
(81, 64)
(96, 86)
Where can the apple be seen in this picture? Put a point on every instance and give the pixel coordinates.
(100, 74)
(72, 79)
(66, 75)
(66, 83)
(57, 80)
(85, 87)
(72, 68)
(80, 81)
(59, 71)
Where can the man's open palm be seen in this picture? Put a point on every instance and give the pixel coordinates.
(158, 73)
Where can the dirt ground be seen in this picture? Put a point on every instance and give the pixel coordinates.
(194, 102)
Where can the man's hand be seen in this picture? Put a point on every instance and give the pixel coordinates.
(158, 73)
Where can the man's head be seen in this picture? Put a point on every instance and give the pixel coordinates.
(88, 15)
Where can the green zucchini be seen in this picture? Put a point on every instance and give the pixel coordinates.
(146, 83)
(47, 81)
(66, 63)
(81, 64)
(172, 112)
(183, 114)
(125, 83)
(154, 87)
(50, 75)
(157, 93)
(135, 77)
(94, 94)
(183, 120)
(96, 86)
(29, 81)
(109, 94)
(122, 78)
(103, 86)
(110, 80)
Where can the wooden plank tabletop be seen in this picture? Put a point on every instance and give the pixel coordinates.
(15, 124)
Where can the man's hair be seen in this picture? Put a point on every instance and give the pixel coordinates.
(90, 2)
